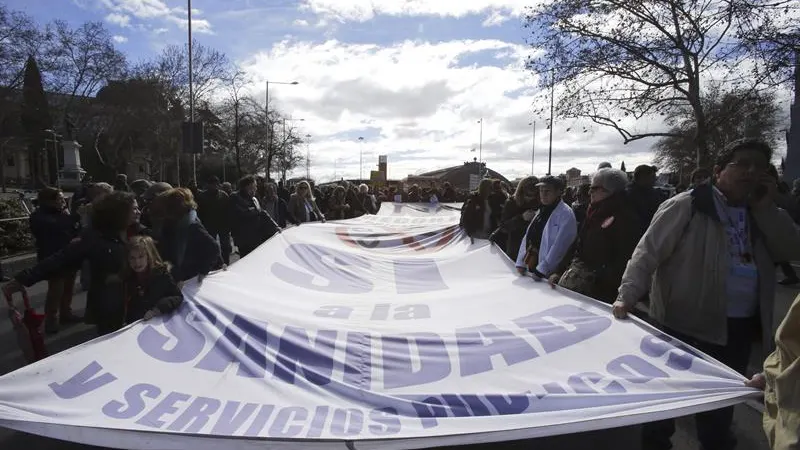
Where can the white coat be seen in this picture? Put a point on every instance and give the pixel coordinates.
(559, 234)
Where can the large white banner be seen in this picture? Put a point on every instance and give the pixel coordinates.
(391, 331)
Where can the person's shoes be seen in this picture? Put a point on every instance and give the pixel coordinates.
(51, 325)
(789, 281)
(70, 319)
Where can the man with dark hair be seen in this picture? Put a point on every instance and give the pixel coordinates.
(642, 194)
(54, 227)
(709, 255)
(212, 208)
(250, 224)
(700, 177)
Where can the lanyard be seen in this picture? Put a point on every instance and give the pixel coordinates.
(740, 234)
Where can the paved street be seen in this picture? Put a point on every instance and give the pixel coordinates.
(747, 426)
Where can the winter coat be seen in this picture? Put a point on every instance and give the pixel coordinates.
(157, 290)
(53, 230)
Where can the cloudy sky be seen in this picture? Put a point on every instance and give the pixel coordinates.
(412, 77)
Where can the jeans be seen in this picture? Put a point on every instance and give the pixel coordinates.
(713, 427)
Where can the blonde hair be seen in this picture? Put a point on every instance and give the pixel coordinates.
(174, 203)
(148, 246)
(305, 184)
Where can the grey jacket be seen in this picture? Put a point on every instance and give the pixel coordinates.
(682, 260)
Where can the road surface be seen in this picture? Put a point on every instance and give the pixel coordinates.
(747, 425)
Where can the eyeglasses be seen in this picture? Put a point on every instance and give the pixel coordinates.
(747, 164)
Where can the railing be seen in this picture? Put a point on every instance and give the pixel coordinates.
(15, 235)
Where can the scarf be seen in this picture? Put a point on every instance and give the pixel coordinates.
(538, 224)
(602, 210)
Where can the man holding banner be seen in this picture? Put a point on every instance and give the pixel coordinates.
(731, 234)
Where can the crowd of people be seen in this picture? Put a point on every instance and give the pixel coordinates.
(703, 259)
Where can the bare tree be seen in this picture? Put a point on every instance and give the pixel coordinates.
(85, 59)
(211, 69)
(19, 39)
(287, 157)
(734, 115)
(233, 108)
(616, 61)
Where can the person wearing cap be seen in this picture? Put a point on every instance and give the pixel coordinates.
(642, 194)
(708, 261)
(550, 234)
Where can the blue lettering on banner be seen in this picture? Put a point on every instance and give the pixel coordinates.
(349, 273)
(87, 380)
(182, 413)
(477, 345)
(427, 349)
(134, 401)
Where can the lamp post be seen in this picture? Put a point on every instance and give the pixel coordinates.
(480, 148)
(191, 98)
(55, 152)
(266, 112)
(533, 145)
(308, 157)
(360, 159)
(552, 102)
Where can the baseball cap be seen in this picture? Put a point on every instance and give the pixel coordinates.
(551, 181)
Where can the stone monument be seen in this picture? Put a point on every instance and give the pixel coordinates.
(70, 176)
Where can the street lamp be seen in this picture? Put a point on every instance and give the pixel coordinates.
(533, 144)
(480, 148)
(55, 152)
(308, 157)
(266, 111)
(361, 159)
(552, 102)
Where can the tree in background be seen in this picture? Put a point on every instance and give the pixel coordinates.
(731, 115)
(84, 60)
(622, 167)
(35, 119)
(617, 61)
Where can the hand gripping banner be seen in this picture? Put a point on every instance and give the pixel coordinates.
(391, 331)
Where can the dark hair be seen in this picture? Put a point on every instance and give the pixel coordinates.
(725, 156)
(111, 213)
(246, 181)
(702, 172)
(47, 195)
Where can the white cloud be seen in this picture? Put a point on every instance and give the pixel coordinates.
(363, 10)
(416, 103)
(120, 39)
(157, 10)
(300, 23)
(494, 19)
(121, 20)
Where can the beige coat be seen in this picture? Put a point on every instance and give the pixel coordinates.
(682, 259)
(782, 395)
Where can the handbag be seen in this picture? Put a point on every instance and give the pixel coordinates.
(579, 278)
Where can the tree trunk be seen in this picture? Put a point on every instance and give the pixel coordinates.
(236, 142)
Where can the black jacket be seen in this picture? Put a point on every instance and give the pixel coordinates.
(189, 248)
(53, 230)
(157, 290)
(107, 256)
(212, 207)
